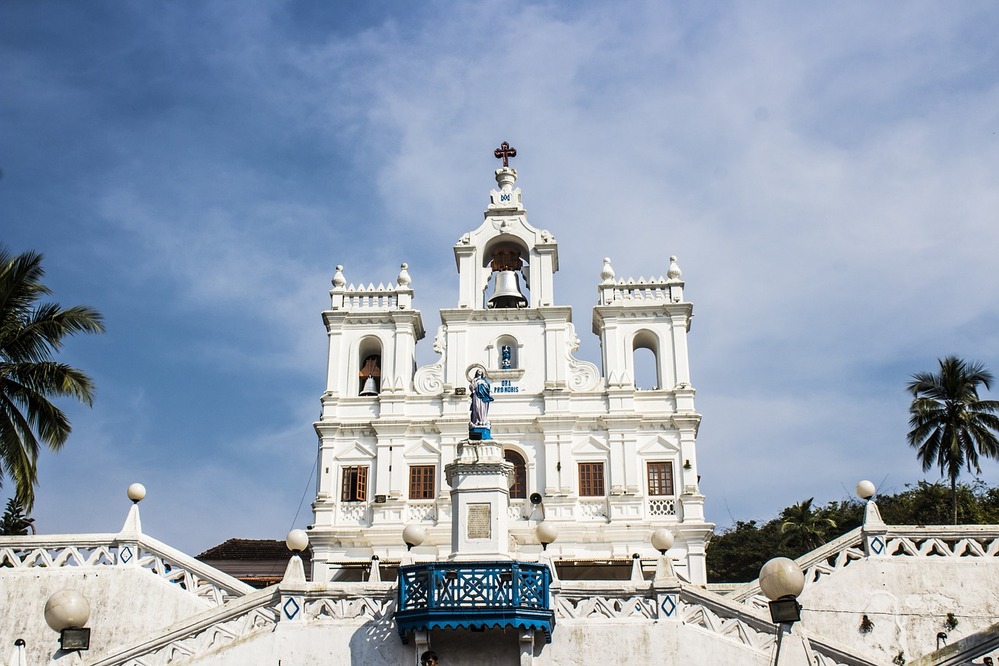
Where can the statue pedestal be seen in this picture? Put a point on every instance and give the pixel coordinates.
(479, 433)
(480, 493)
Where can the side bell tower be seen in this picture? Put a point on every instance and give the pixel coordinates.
(372, 332)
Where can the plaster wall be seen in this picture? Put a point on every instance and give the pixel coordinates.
(574, 643)
(126, 604)
(907, 599)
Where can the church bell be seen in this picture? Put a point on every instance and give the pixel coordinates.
(507, 291)
(369, 373)
(370, 387)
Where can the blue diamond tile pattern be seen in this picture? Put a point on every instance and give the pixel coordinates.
(877, 545)
(291, 609)
(126, 554)
(669, 606)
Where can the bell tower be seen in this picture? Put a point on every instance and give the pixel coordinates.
(504, 249)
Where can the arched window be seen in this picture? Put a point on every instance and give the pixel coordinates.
(507, 353)
(369, 364)
(519, 488)
(645, 349)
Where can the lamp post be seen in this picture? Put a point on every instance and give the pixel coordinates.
(662, 540)
(547, 533)
(413, 536)
(66, 612)
(297, 541)
(782, 580)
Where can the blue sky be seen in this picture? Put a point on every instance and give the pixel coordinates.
(826, 174)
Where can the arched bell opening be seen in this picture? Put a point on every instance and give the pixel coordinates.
(645, 361)
(508, 264)
(370, 364)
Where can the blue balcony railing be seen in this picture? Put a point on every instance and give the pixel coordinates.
(474, 595)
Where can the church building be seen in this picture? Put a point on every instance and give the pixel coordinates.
(596, 457)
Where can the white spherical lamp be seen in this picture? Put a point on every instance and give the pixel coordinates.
(865, 490)
(781, 577)
(136, 492)
(782, 580)
(662, 540)
(67, 609)
(546, 533)
(297, 541)
(413, 535)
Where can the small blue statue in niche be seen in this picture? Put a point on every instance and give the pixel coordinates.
(507, 355)
(481, 391)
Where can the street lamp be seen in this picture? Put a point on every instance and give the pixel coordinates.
(297, 541)
(865, 489)
(413, 535)
(782, 581)
(546, 533)
(662, 540)
(66, 612)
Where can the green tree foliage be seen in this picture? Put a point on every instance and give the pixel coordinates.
(31, 332)
(14, 521)
(735, 555)
(803, 527)
(930, 504)
(950, 427)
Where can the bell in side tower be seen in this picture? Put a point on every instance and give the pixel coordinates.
(369, 376)
(506, 292)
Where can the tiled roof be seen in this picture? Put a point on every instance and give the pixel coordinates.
(251, 549)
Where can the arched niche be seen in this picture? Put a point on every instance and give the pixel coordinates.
(645, 361)
(507, 353)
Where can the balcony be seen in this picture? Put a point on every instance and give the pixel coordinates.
(474, 595)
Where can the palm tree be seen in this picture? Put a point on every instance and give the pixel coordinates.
(14, 521)
(802, 525)
(30, 334)
(950, 427)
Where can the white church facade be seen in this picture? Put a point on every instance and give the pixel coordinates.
(603, 461)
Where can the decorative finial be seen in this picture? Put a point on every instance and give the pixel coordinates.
(607, 273)
(338, 280)
(403, 280)
(505, 152)
(674, 272)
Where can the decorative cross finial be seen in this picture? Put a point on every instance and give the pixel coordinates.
(505, 152)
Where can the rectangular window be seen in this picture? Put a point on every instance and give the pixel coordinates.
(660, 478)
(421, 481)
(355, 484)
(591, 479)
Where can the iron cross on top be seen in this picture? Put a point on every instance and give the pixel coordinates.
(505, 152)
